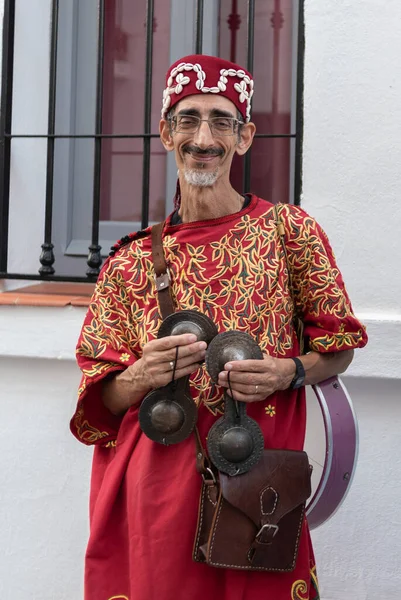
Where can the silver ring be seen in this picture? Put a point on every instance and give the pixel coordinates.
(171, 365)
(256, 389)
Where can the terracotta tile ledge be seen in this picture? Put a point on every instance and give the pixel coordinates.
(49, 294)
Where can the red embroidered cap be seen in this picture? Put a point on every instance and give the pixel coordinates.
(202, 74)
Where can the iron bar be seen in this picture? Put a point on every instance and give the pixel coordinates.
(249, 66)
(118, 136)
(6, 135)
(47, 255)
(147, 113)
(276, 23)
(94, 258)
(250, 40)
(299, 119)
(7, 71)
(199, 27)
(234, 23)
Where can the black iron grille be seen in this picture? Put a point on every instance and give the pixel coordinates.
(46, 260)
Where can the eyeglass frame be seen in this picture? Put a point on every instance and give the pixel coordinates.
(236, 124)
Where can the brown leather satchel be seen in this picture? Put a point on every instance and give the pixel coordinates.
(253, 521)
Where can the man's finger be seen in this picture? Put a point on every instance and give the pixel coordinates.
(183, 351)
(252, 366)
(180, 372)
(247, 378)
(171, 341)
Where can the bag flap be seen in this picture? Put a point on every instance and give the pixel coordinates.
(275, 486)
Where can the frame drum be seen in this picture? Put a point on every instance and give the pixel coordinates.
(331, 443)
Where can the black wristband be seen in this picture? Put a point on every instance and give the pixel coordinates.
(299, 377)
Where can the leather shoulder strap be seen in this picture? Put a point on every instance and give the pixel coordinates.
(166, 306)
(162, 276)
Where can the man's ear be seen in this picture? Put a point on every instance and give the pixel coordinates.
(245, 138)
(165, 135)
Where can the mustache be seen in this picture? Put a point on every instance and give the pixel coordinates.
(189, 148)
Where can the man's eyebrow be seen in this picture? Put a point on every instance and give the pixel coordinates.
(189, 111)
(215, 112)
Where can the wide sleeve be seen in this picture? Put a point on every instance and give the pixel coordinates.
(319, 291)
(107, 343)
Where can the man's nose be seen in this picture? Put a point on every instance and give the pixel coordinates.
(203, 137)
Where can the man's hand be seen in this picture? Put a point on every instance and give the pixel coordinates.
(254, 380)
(153, 370)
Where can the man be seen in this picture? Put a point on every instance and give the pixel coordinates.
(224, 258)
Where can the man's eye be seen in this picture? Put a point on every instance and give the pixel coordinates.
(222, 123)
(186, 122)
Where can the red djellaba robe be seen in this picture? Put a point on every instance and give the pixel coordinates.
(144, 496)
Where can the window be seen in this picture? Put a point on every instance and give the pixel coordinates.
(81, 164)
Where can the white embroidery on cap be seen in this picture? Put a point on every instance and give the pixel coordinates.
(244, 88)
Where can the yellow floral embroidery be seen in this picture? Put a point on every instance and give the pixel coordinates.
(86, 432)
(240, 281)
(299, 587)
(270, 410)
(340, 341)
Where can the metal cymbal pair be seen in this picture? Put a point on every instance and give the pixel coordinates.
(168, 414)
(235, 442)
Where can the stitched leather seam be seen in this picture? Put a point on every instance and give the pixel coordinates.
(209, 498)
(261, 500)
(215, 527)
(201, 519)
(301, 520)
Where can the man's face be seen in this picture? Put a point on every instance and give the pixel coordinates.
(203, 156)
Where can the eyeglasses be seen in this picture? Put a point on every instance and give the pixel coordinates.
(218, 125)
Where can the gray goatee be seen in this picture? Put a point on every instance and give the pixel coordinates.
(200, 178)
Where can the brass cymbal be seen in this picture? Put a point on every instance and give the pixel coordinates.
(167, 417)
(188, 321)
(230, 346)
(235, 442)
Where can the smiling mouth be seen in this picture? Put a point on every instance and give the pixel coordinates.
(202, 156)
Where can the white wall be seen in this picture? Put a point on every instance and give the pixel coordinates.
(352, 151)
(44, 482)
(358, 551)
(45, 473)
(351, 181)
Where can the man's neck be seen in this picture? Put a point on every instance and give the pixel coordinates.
(211, 202)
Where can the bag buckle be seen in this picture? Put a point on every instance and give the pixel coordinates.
(162, 281)
(265, 527)
(208, 477)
